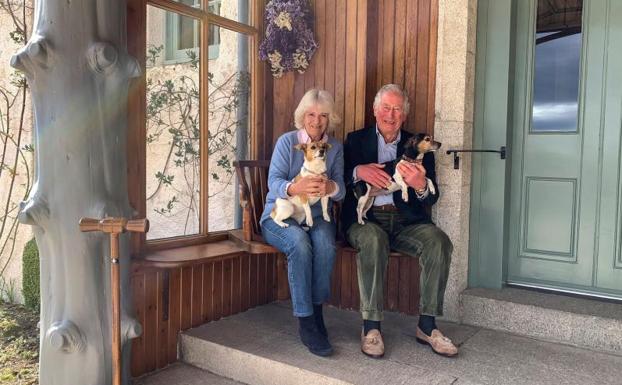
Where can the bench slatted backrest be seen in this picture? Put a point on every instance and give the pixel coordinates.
(253, 183)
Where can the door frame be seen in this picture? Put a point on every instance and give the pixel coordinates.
(490, 180)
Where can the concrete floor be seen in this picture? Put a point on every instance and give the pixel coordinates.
(183, 374)
(261, 346)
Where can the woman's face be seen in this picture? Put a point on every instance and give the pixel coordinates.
(315, 121)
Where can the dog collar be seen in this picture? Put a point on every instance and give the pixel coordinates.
(311, 172)
(411, 160)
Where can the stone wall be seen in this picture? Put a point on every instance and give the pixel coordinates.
(453, 126)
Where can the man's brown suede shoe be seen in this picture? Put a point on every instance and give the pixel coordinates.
(372, 344)
(438, 342)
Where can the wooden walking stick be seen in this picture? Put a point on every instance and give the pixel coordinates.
(114, 227)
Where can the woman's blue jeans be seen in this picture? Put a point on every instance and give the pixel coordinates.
(310, 259)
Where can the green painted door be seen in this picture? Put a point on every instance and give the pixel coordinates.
(566, 168)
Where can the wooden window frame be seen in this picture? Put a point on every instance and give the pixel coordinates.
(173, 54)
(137, 11)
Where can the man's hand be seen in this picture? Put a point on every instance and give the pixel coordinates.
(413, 174)
(311, 185)
(374, 174)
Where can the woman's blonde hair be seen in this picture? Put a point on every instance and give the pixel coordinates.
(316, 97)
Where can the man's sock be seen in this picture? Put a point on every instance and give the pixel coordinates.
(427, 323)
(369, 325)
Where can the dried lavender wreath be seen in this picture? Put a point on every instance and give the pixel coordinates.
(289, 43)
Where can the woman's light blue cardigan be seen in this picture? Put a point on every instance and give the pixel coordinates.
(286, 163)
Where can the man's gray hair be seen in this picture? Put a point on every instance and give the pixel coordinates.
(392, 89)
(321, 98)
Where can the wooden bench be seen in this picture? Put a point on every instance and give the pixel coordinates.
(402, 283)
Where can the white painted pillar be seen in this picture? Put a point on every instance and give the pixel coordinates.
(78, 69)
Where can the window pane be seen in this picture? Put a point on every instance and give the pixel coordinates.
(557, 62)
(231, 9)
(229, 130)
(188, 33)
(173, 131)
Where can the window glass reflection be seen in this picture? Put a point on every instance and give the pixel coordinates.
(173, 126)
(557, 66)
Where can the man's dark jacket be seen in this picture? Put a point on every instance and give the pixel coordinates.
(361, 147)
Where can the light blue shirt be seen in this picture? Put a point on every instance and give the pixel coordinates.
(386, 153)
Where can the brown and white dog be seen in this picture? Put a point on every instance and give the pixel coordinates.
(299, 206)
(414, 150)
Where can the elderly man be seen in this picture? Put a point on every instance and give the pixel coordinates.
(395, 224)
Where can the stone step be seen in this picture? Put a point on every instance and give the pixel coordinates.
(261, 347)
(588, 323)
(183, 374)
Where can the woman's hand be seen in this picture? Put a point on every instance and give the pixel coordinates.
(327, 187)
(317, 186)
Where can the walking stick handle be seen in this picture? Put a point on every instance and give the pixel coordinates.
(114, 225)
(137, 225)
(89, 224)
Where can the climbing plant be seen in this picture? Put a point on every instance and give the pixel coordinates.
(173, 118)
(15, 150)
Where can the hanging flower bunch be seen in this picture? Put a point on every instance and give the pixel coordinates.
(289, 43)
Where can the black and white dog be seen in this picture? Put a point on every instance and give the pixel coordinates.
(414, 150)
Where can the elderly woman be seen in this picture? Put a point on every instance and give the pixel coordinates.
(310, 250)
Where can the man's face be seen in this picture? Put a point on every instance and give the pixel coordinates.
(390, 114)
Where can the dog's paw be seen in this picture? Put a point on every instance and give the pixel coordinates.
(282, 224)
(405, 196)
(327, 218)
(361, 222)
(310, 223)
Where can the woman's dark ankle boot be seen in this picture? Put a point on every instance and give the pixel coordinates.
(319, 320)
(315, 341)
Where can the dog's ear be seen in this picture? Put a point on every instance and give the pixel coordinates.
(328, 146)
(301, 146)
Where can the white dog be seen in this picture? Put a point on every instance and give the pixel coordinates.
(299, 206)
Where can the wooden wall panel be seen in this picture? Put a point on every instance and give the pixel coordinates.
(402, 42)
(162, 322)
(136, 116)
(338, 66)
(363, 45)
(340, 61)
(245, 296)
(207, 307)
(150, 330)
(168, 301)
(174, 314)
(137, 285)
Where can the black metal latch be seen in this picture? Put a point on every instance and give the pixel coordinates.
(500, 151)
